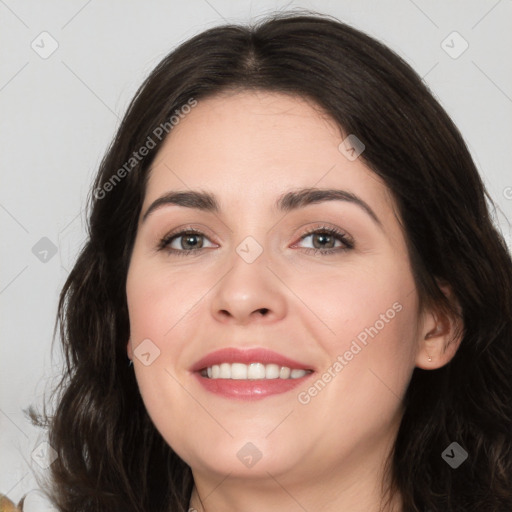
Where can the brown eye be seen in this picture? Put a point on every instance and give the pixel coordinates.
(191, 241)
(184, 242)
(324, 241)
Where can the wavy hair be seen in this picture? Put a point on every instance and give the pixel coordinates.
(110, 455)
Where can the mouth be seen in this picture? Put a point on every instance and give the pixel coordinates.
(249, 374)
(252, 371)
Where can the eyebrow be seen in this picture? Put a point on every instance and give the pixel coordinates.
(287, 202)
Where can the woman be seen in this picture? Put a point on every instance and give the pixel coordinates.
(369, 371)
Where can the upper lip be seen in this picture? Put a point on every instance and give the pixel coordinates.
(247, 356)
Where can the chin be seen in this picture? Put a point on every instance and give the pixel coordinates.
(245, 457)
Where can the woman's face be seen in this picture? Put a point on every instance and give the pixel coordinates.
(344, 318)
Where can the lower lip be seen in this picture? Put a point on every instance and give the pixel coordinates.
(249, 389)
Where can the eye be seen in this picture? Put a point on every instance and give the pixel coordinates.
(324, 241)
(183, 242)
(191, 240)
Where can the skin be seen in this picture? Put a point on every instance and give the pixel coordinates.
(248, 148)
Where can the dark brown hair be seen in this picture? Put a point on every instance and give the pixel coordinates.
(110, 455)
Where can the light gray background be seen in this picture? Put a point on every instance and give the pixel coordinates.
(59, 114)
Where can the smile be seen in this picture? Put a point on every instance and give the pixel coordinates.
(249, 374)
(252, 371)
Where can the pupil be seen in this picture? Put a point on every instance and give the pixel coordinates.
(324, 237)
(187, 239)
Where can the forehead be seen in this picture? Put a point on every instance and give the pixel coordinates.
(259, 144)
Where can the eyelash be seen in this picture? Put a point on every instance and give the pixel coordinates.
(342, 237)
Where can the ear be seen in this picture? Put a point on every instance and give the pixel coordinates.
(129, 349)
(440, 335)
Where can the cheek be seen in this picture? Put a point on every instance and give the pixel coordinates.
(368, 360)
(355, 300)
(158, 301)
(160, 306)
(365, 321)
(156, 305)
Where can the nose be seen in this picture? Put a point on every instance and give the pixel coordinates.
(249, 292)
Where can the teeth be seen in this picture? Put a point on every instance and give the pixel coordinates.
(271, 371)
(256, 371)
(238, 371)
(225, 371)
(253, 371)
(285, 372)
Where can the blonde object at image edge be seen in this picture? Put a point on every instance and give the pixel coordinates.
(6, 505)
